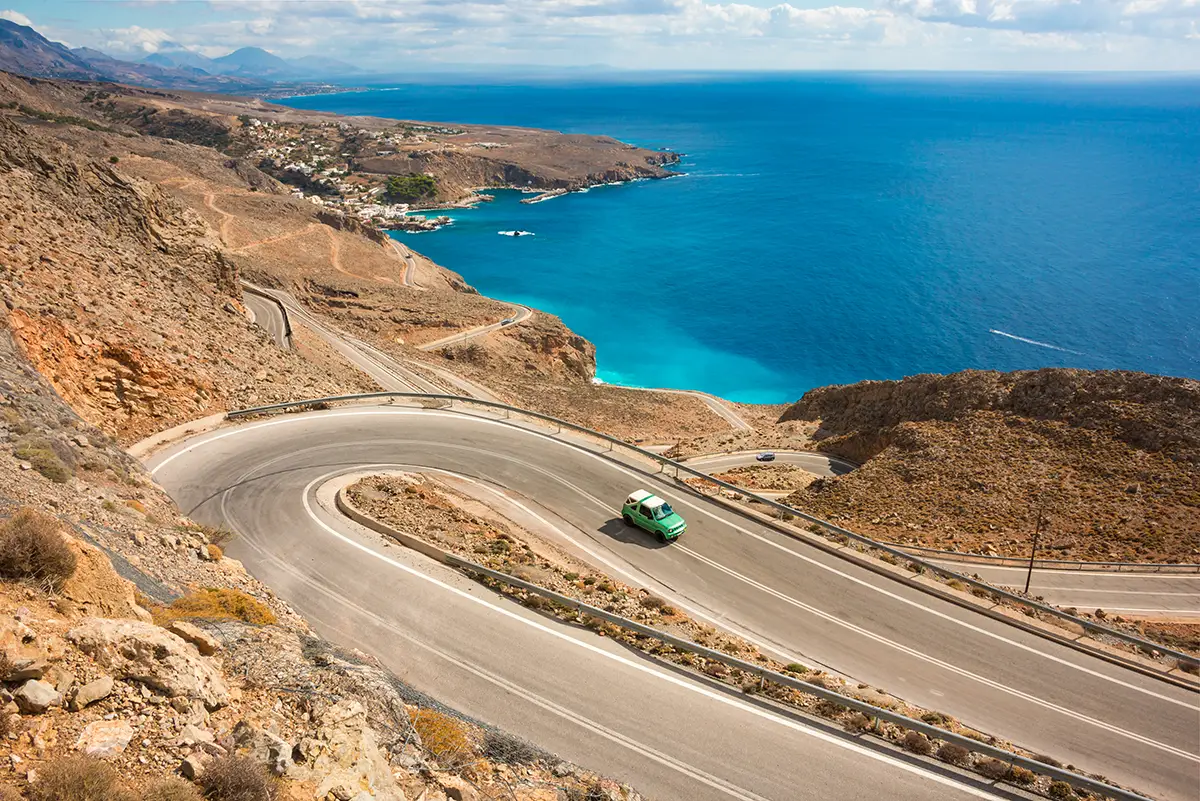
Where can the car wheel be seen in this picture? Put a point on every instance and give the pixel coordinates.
(662, 537)
(628, 520)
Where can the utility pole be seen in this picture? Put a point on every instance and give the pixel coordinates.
(1037, 532)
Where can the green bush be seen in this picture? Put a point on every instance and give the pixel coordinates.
(407, 188)
(32, 548)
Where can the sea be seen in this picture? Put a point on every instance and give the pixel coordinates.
(832, 228)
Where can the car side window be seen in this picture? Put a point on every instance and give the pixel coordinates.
(645, 512)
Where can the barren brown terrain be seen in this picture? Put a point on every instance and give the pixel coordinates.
(964, 461)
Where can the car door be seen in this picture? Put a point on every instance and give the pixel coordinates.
(645, 517)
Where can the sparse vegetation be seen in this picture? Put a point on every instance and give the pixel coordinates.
(32, 548)
(170, 788)
(1060, 790)
(78, 778)
(40, 453)
(918, 743)
(445, 738)
(953, 754)
(219, 604)
(993, 769)
(237, 778)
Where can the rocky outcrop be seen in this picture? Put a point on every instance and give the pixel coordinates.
(1149, 412)
(342, 222)
(142, 652)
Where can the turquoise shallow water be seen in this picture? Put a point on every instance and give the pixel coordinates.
(838, 228)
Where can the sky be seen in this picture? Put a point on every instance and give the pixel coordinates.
(425, 35)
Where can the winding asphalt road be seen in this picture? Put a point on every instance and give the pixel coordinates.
(519, 315)
(267, 316)
(561, 686)
(1168, 596)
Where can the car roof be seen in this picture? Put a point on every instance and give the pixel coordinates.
(638, 495)
(647, 499)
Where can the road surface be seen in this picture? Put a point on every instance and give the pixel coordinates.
(819, 464)
(1140, 595)
(517, 314)
(796, 601)
(267, 316)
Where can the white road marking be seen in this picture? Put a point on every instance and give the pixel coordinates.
(563, 712)
(486, 421)
(629, 663)
(946, 665)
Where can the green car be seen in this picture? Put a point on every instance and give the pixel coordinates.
(652, 513)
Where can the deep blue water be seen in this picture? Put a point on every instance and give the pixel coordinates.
(838, 228)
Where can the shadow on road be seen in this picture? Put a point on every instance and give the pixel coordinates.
(617, 530)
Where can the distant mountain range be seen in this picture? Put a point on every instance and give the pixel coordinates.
(26, 52)
(251, 62)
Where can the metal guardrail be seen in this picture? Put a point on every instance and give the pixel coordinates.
(1144, 645)
(912, 724)
(764, 674)
(1059, 564)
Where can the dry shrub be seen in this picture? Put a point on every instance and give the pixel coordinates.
(78, 778)
(918, 743)
(1022, 776)
(214, 552)
(953, 753)
(445, 738)
(857, 722)
(32, 547)
(10, 793)
(1188, 666)
(237, 778)
(994, 769)
(1060, 790)
(216, 604)
(170, 788)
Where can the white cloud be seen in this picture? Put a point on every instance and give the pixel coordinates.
(870, 34)
(132, 42)
(16, 16)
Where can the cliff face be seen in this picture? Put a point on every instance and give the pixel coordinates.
(962, 461)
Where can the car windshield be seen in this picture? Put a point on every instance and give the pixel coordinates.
(663, 512)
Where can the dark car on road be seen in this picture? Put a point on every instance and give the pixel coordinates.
(766, 456)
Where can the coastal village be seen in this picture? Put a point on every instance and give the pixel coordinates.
(323, 162)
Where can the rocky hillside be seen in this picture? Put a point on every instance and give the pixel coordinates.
(962, 461)
(137, 658)
(124, 300)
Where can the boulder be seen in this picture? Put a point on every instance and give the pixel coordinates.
(35, 697)
(62, 679)
(192, 768)
(96, 588)
(26, 669)
(143, 652)
(349, 754)
(92, 692)
(458, 789)
(104, 739)
(205, 643)
(264, 746)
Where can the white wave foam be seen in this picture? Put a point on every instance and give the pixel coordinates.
(1034, 342)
